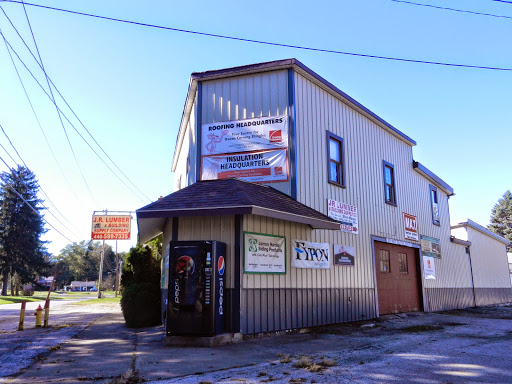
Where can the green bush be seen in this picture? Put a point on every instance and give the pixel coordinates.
(141, 305)
(141, 298)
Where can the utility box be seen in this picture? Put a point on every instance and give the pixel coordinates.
(196, 288)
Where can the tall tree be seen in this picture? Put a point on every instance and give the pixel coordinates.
(501, 218)
(81, 261)
(21, 226)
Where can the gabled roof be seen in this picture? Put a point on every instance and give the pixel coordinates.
(230, 197)
(481, 229)
(294, 64)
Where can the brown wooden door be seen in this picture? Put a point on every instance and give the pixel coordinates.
(397, 278)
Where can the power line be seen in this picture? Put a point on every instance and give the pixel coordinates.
(503, 1)
(32, 208)
(452, 9)
(41, 188)
(67, 119)
(266, 42)
(55, 103)
(35, 114)
(76, 116)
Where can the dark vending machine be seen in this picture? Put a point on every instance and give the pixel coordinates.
(196, 288)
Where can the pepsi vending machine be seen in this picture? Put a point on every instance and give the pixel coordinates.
(196, 288)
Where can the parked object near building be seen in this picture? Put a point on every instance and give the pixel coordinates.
(82, 286)
(325, 215)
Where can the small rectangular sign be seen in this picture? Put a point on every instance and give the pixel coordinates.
(410, 227)
(346, 214)
(429, 268)
(264, 253)
(344, 255)
(430, 246)
(310, 255)
(111, 227)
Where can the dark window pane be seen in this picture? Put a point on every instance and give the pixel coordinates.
(388, 175)
(333, 172)
(384, 261)
(334, 150)
(402, 263)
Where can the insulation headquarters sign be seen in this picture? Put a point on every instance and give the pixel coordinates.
(110, 227)
(255, 149)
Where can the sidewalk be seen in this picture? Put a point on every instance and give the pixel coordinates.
(452, 347)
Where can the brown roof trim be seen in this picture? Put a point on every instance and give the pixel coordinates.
(240, 210)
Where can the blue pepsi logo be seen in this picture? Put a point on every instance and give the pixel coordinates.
(221, 265)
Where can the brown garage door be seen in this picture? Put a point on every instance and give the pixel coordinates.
(397, 278)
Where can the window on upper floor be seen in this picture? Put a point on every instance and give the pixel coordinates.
(335, 164)
(389, 183)
(435, 205)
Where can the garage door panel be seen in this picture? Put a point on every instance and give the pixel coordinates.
(397, 278)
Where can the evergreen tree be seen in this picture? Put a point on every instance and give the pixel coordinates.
(21, 249)
(501, 218)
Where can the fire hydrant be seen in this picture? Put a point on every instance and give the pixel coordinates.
(39, 316)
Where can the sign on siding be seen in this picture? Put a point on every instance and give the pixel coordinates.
(255, 134)
(429, 268)
(430, 246)
(263, 166)
(264, 253)
(110, 227)
(410, 227)
(310, 255)
(346, 214)
(344, 255)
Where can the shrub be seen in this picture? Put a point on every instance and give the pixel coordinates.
(141, 305)
(28, 292)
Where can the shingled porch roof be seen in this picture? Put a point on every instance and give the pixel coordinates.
(227, 197)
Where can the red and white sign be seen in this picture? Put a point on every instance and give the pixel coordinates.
(257, 167)
(411, 227)
(346, 214)
(110, 227)
(257, 134)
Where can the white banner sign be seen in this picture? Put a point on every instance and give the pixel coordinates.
(244, 135)
(264, 253)
(110, 227)
(346, 214)
(429, 268)
(251, 166)
(310, 255)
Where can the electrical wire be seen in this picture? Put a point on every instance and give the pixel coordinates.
(73, 112)
(31, 207)
(67, 119)
(40, 187)
(55, 103)
(266, 42)
(451, 9)
(35, 114)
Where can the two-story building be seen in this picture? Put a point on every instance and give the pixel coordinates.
(325, 214)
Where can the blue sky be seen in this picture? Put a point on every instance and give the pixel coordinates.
(128, 86)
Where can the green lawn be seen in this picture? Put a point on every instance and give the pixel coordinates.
(104, 300)
(19, 299)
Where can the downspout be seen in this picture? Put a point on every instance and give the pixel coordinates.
(472, 278)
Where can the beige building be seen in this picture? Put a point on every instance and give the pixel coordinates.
(357, 228)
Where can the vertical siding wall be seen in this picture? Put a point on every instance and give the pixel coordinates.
(490, 269)
(303, 297)
(366, 145)
(245, 97)
(187, 155)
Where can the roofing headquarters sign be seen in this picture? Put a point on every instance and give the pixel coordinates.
(254, 149)
(110, 227)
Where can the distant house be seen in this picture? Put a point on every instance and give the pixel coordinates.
(81, 286)
(45, 282)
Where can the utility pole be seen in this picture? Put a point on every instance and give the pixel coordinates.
(116, 286)
(101, 270)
